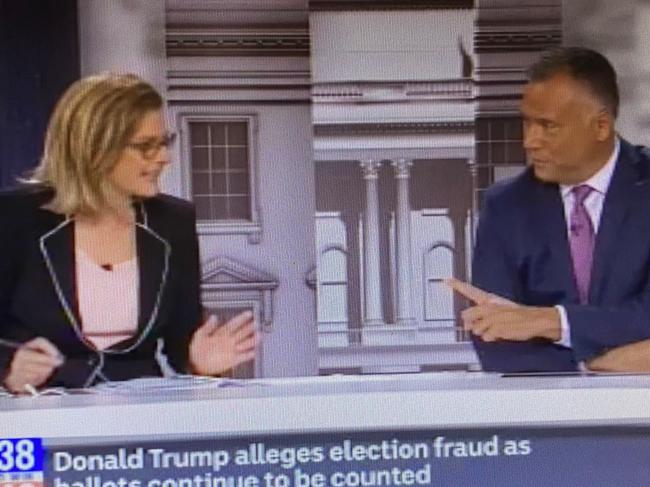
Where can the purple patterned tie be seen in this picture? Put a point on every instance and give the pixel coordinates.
(581, 240)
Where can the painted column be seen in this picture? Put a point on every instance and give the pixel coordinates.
(373, 313)
(403, 247)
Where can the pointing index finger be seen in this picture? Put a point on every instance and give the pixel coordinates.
(472, 293)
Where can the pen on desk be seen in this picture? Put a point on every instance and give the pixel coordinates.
(10, 343)
(13, 344)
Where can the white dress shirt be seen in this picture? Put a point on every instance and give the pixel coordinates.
(599, 182)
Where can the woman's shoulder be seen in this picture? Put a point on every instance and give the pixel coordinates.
(172, 217)
(21, 211)
(15, 200)
(169, 215)
(169, 205)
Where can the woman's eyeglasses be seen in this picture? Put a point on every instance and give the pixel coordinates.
(151, 147)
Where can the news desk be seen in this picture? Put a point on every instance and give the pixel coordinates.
(443, 429)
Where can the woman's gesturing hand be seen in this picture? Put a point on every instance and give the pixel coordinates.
(215, 349)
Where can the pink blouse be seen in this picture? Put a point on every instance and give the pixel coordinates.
(108, 300)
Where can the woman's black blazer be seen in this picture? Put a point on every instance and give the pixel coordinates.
(38, 295)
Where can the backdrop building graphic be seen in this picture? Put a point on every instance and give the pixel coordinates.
(336, 152)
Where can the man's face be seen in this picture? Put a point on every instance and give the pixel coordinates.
(563, 135)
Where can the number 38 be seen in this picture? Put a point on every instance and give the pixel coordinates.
(16, 456)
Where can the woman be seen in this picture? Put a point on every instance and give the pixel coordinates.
(97, 267)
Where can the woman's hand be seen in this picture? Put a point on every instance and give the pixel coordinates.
(215, 349)
(32, 365)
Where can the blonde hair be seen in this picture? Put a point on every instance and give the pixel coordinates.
(89, 128)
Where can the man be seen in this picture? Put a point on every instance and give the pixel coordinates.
(563, 250)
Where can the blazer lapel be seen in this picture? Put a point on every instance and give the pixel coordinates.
(618, 200)
(57, 250)
(552, 228)
(153, 262)
(153, 253)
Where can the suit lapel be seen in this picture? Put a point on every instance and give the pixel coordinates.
(618, 200)
(153, 260)
(551, 224)
(153, 253)
(57, 249)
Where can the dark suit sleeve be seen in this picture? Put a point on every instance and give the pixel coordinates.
(186, 307)
(495, 269)
(8, 269)
(596, 329)
(12, 234)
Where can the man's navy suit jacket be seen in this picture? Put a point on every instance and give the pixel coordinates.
(522, 253)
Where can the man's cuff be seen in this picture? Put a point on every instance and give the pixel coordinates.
(565, 329)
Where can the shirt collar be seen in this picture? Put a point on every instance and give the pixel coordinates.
(599, 181)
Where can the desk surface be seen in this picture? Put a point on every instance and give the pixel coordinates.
(333, 403)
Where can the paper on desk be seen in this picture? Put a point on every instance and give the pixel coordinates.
(49, 391)
(172, 383)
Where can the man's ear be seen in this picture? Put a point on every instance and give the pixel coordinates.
(603, 125)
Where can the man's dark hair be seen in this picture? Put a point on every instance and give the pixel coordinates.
(585, 66)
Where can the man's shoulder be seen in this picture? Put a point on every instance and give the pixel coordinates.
(644, 153)
(512, 191)
(639, 155)
(634, 151)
